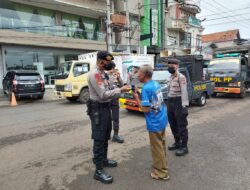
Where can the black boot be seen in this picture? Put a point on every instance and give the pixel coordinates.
(109, 163)
(117, 138)
(174, 146)
(101, 176)
(181, 151)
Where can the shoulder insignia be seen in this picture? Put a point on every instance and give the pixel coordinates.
(98, 79)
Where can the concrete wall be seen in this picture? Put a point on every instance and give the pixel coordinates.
(1, 68)
(132, 6)
(22, 38)
(194, 32)
(225, 44)
(171, 12)
(92, 4)
(120, 6)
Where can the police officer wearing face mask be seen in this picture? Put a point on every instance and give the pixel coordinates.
(99, 111)
(177, 111)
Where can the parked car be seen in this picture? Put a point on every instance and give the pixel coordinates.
(23, 84)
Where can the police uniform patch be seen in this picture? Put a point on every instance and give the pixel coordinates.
(98, 79)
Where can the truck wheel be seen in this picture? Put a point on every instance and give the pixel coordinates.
(202, 100)
(84, 95)
(214, 94)
(242, 92)
(40, 97)
(72, 99)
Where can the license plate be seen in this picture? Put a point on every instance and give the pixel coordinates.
(130, 103)
(29, 85)
(220, 89)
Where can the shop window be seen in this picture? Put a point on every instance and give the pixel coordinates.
(44, 61)
(25, 18)
(81, 27)
(172, 40)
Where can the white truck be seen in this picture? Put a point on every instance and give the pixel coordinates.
(71, 81)
(123, 61)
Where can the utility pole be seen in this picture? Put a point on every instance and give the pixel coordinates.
(109, 32)
(163, 17)
(128, 27)
(139, 27)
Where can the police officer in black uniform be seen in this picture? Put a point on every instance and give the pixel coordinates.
(115, 81)
(177, 108)
(99, 111)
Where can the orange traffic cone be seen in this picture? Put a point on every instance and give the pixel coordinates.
(13, 100)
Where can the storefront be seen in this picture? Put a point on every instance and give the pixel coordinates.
(26, 18)
(39, 38)
(43, 60)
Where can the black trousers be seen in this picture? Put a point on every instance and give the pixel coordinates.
(177, 116)
(115, 114)
(101, 129)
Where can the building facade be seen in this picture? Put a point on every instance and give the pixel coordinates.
(158, 27)
(39, 35)
(219, 40)
(145, 26)
(222, 39)
(183, 30)
(129, 34)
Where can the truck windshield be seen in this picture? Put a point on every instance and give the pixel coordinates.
(224, 65)
(161, 76)
(63, 70)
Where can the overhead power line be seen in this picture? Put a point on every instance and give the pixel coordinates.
(219, 13)
(229, 16)
(224, 7)
(227, 22)
(219, 18)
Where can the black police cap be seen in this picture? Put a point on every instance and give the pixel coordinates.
(104, 55)
(174, 61)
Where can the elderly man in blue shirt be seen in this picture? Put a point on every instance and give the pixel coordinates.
(151, 102)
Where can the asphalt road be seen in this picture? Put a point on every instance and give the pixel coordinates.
(47, 146)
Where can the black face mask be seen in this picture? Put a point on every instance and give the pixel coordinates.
(171, 70)
(108, 66)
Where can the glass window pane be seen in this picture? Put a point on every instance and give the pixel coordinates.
(27, 18)
(27, 77)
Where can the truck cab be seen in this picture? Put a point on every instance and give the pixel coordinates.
(229, 72)
(192, 68)
(71, 81)
(198, 91)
